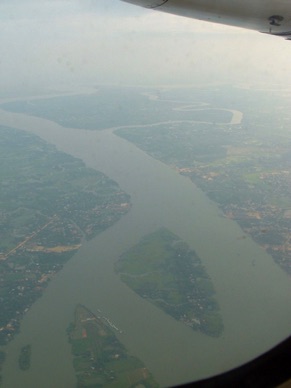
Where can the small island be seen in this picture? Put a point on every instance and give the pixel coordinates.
(164, 270)
(24, 357)
(2, 359)
(100, 360)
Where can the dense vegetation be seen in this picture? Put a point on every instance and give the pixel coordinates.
(162, 269)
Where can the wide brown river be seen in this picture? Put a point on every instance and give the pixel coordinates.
(253, 292)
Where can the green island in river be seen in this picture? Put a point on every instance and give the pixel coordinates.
(165, 271)
(100, 360)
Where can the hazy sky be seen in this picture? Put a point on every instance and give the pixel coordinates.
(49, 43)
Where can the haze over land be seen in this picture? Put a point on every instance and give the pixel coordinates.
(62, 44)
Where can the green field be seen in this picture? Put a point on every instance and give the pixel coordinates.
(162, 269)
(100, 360)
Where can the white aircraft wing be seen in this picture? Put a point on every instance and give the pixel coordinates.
(268, 16)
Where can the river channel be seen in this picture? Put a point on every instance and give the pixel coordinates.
(253, 292)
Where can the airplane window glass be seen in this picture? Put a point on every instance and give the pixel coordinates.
(145, 183)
